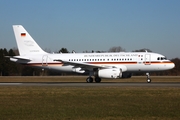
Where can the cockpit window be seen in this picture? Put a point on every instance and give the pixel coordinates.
(161, 58)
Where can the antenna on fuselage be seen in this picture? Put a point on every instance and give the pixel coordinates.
(73, 51)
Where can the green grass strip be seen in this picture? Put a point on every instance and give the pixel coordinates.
(104, 103)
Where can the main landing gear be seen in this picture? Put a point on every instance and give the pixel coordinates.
(90, 80)
(148, 78)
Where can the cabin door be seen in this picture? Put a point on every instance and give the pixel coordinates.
(45, 60)
(147, 59)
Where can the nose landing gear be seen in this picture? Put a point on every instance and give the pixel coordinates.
(148, 78)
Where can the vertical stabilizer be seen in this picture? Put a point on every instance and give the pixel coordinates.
(25, 42)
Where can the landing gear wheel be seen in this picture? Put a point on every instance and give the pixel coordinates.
(148, 80)
(97, 79)
(89, 80)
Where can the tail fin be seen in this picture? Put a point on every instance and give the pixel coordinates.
(25, 42)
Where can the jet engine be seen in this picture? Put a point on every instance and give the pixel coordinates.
(108, 73)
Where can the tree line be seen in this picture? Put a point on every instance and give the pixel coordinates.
(9, 68)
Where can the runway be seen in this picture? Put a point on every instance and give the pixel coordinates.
(103, 84)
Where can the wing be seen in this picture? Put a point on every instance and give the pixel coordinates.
(83, 65)
(86, 66)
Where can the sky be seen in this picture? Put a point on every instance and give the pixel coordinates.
(97, 25)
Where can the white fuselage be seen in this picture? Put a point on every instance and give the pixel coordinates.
(128, 61)
(99, 65)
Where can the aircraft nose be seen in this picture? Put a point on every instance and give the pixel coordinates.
(171, 66)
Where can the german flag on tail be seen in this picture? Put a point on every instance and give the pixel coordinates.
(23, 34)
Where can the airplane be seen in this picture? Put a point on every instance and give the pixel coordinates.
(100, 65)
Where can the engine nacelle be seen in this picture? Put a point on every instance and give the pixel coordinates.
(109, 73)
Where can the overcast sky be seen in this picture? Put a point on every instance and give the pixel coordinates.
(82, 25)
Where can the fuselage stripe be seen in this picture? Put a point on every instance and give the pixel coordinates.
(99, 63)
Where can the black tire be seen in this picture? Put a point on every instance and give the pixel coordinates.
(89, 80)
(97, 80)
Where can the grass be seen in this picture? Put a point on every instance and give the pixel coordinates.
(86, 103)
(105, 103)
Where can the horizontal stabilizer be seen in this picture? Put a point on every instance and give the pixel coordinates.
(22, 58)
(19, 58)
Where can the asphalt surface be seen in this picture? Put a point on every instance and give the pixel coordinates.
(103, 84)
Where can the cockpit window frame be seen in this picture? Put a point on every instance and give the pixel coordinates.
(161, 58)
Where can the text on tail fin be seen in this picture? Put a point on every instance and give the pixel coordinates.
(26, 44)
